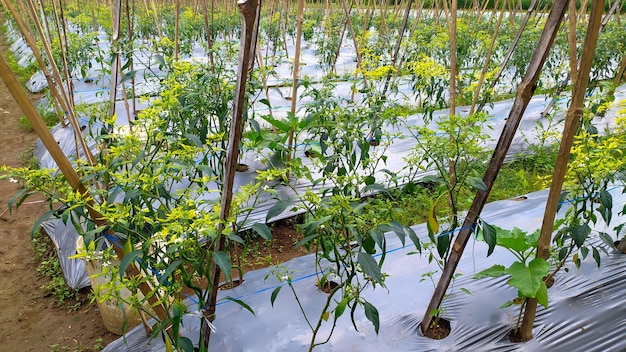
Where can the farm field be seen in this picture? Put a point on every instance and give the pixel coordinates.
(182, 145)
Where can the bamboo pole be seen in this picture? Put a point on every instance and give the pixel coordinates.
(250, 11)
(572, 121)
(63, 44)
(176, 28)
(487, 59)
(509, 53)
(209, 33)
(571, 39)
(396, 50)
(115, 66)
(296, 74)
(68, 172)
(524, 94)
(57, 90)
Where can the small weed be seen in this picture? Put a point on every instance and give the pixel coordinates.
(50, 267)
(99, 346)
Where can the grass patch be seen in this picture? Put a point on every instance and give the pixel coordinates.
(48, 266)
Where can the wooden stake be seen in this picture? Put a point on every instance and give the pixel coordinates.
(572, 122)
(487, 59)
(250, 11)
(509, 53)
(296, 74)
(68, 171)
(524, 94)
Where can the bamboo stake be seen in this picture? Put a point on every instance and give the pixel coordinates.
(571, 39)
(115, 66)
(57, 91)
(572, 121)
(62, 25)
(209, 34)
(524, 94)
(396, 50)
(68, 172)
(296, 74)
(509, 53)
(176, 28)
(250, 12)
(487, 60)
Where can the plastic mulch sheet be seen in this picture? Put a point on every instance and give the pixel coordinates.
(586, 310)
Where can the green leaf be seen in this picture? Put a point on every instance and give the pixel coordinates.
(432, 223)
(277, 208)
(223, 261)
(477, 183)
(414, 238)
(596, 255)
(607, 239)
(606, 199)
(281, 125)
(507, 304)
(528, 279)
(495, 271)
(275, 294)
(341, 307)
(41, 220)
(186, 344)
(169, 271)
(127, 260)
(241, 303)
(262, 230)
(580, 234)
(490, 236)
(466, 291)
(542, 294)
(372, 315)
(370, 267)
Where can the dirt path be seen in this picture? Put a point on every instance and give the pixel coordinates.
(30, 320)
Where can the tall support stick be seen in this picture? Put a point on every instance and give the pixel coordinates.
(524, 94)
(115, 66)
(250, 12)
(296, 75)
(488, 58)
(572, 120)
(509, 53)
(68, 171)
(396, 50)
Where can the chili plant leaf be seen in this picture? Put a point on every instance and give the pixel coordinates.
(186, 344)
(528, 279)
(262, 230)
(477, 183)
(370, 267)
(490, 236)
(341, 307)
(277, 208)
(281, 125)
(414, 238)
(495, 271)
(223, 261)
(241, 303)
(275, 294)
(607, 239)
(596, 255)
(580, 234)
(432, 223)
(372, 315)
(127, 260)
(40, 220)
(542, 294)
(169, 271)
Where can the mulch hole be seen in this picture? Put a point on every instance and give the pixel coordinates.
(440, 329)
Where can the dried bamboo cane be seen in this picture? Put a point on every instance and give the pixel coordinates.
(296, 74)
(62, 25)
(68, 172)
(250, 11)
(487, 60)
(509, 53)
(572, 121)
(524, 94)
